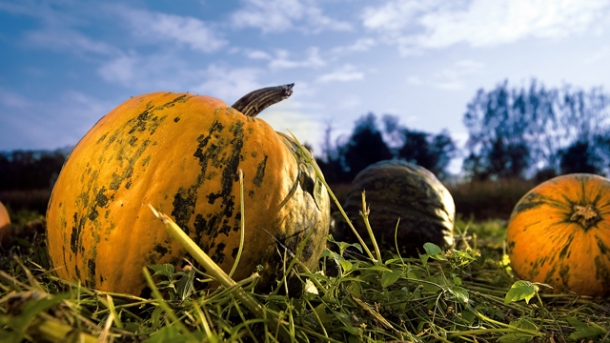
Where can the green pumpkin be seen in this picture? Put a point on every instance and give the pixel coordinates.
(397, 189)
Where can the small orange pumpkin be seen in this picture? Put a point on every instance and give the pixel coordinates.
(559, 234)
(5, 225)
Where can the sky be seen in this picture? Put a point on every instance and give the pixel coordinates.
(65, 63)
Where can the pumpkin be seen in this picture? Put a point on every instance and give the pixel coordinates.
(559, 234)
(181, 153)
(5, 226)
(397, 189)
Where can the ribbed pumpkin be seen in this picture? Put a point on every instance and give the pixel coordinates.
(5, 226)
(559, 234)
(181, 153)
(398, 189)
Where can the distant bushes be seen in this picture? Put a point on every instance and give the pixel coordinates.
(488, 199)
(30, 169)
(27, 176)
(26, 200)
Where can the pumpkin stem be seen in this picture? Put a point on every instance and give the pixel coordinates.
(256, 101)
(586, 216)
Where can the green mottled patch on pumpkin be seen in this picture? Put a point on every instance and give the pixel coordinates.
(101, 139)
(260, 172)
(91, 272)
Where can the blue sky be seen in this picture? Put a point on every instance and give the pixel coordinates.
(64, 63)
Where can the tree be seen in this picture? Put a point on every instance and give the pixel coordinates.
(433, 152)
(516, 132)
(580, 158)
(331, 162)
(365, 146)
(30, 169)
(444, 149)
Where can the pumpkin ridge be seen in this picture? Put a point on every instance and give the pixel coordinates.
(565, 251)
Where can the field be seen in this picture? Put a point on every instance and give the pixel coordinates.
(466, 294)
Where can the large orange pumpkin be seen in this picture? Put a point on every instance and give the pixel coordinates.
(181, 153)
(559, 234)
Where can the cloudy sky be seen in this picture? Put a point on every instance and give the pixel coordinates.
(66, 63)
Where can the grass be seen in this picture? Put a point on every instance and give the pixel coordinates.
(464, 294)
(457, 295)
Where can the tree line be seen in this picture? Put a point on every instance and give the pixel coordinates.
(529, 132)
(30, 169)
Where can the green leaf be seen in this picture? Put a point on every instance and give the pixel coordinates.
(355, 289)
(347, 266)
(583, 330)
(389, 278)
(343, 245)
(414, 274)
(519, 337)
(166, 269)
(321, 312)
(184, 286)
(434, 251)
(461, 294)
(521, 290)
(424, 259)
(468, 316)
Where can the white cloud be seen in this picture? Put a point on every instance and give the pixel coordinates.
(257, 55)
(57, 38)
(346, 73)
(13, 100)
(415, 25)
(305, 125)
(360, 45)
(283, 15)
(157, 26)
(414, 80)
(119, 70)
(58, 123)
(602, 53)
(281, 60)
(453, 78)
(349, 102)
(150, 72)
(227, 84)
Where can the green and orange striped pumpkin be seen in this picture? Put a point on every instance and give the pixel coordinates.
(181, 153)
(559, 234)
(398, 189)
